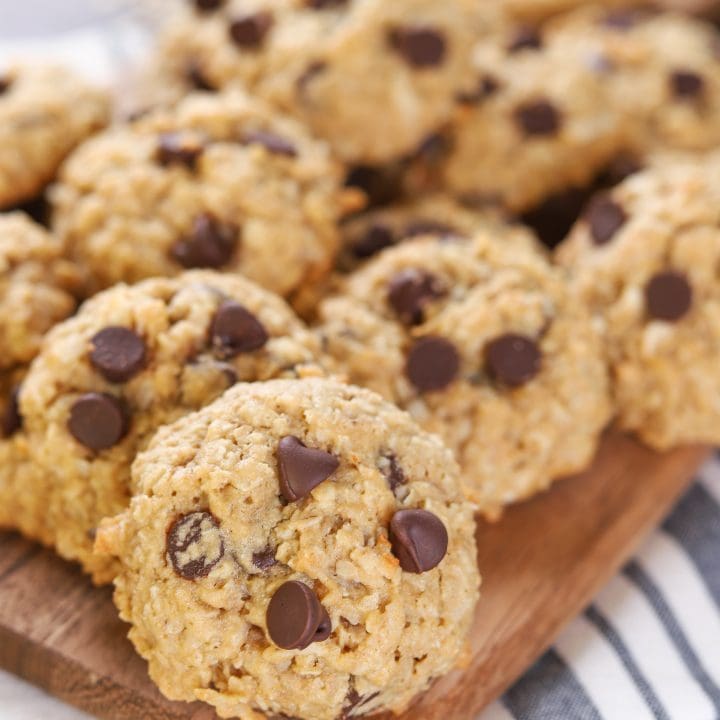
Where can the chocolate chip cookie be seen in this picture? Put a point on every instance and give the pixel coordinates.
(645, 258)
(372, 77)
(483, 344)
(296, 549)
(218, 182)
(44, 113)
(132, 359)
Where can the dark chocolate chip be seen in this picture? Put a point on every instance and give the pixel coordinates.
(179, 149)
(210, 244)
(270, 141)
(301, 469)
(376, 238)
(197, 78)
(118, 353)
(208, 5)
(686, 85)
(249, 32)
(393, 472)
(525, 38)
(195, 545)
(236, 330)
(325, 4)
(668, 296)
(409, 291)
(540, 118)
(421, 47)
(295, 618)
(486, 86)
(419, 540)
(11, 418)
(264, 559)
(432, 364)
(604, 217)
(98, 421)
(513, 359)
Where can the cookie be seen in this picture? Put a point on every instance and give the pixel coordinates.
(44, 113)
(132, 359)
(218, 182)
(297, 549)
(645, 259)
(38, 287)
(483, 344)
(372, 78)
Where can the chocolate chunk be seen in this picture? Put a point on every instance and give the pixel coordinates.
(98, 421)
(604, 217)
(211, 244)
(393, 472)
(409, 291)
(179, 149)
(264, 559)
(354, 700)
(432, 364)
(195, 545)
(295, 618)
(377, 238)
(525, 38)
(668, 296)
(539, 118)
(486, 86)
(208, 5)
(118, 353)
(419, 540)
(687, 85)
(236, 330)
(421, 47)
(270, 141)
(513, 359)
(197, 78)
(301, 469)
(11, 418)
(249, 32)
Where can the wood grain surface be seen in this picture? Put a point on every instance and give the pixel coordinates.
(541, 566)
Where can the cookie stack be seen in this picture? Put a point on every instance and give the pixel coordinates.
(353, 274)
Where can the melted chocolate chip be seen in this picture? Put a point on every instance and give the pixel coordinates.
(195, 545)
(376, 238)
(432, 364)
(98, 421)
(513, 359)
(249, 32)
(687, 85)
(538, 119)
(393, 472)
(11, 420)
(235, 330)
(118, 353)
(301, 469)
(295, 618)
(419, 540)
(420, 47)
(668, 296)
(211, 244)
(525, 38)
(264, 559)
(604, 217)
(178, 149)
(355, 700)
(486, 86)
(409, 291)
(270, 141)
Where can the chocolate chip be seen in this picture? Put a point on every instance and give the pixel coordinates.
(668, 296)
(376, 238)
(604, 217)
(419, 540)
(421, 47)
(178, 149)
(686, 85)
(325, 4)
(295, 618)
(11, 418)
(525, 38)
(197, 78)
(98, 421)
(208, 5)
(236, 330)
(301, 469)
(5, 84)
(270, 141)
(539, 118)
(264, 559)
(393, 472)
(118, 353)
(432, 364)
(513, 359)
(409, 291)
(486, 86)
(211, 244)
(249, 32)
(354, 700)
(195, 545)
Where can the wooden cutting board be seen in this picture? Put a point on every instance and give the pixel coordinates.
(541, 566)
